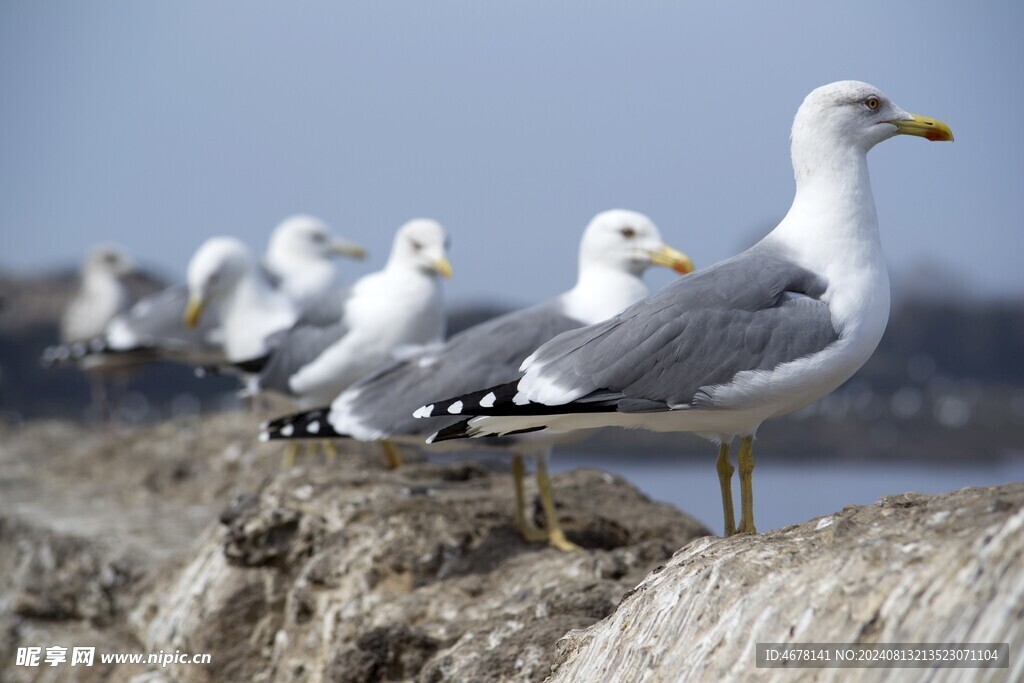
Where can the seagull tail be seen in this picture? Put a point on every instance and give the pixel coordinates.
(308, 424)
(477, 428)
(73, 353)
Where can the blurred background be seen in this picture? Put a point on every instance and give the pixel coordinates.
(154, 126)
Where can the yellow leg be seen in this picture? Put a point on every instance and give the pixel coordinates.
(526, 530)
(290, 451)
(556, 536)
(725, 470)
(392, 458)
(746, 465)
(329, 451)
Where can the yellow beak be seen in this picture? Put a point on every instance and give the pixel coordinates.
(349, 249)
(922, 126)
(671, 258)
(443, 268)
(192, 312)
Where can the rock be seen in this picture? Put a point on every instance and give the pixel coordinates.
(188, 536)
(910, 568)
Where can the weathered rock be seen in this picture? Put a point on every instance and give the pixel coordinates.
(911, 568)
(188, 537)
(360, 574)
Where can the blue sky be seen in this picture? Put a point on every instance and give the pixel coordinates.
(154, 125)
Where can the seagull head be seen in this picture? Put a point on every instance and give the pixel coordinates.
(214, 270)
(854, 115)
(628, 241)
(108, 260)
(307, 238)
(422, 244)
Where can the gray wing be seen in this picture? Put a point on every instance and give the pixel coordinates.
(486, 354)
(326, 309)
(751, 312)
(157, 322)
(295, 348)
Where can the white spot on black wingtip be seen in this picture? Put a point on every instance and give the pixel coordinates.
(488, 400)
(313, 427)
(455, 408)
(424, 411)
(287, 430)
(264, 436)
(430, 439)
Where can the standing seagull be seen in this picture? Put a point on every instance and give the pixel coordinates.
(101, 296)
(616, 249)
(758, 335)
(383, 313)
(298, 262)
(223, 274)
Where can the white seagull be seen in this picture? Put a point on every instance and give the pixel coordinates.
(383, 313)
(615, 250)
(298, 262)
(755, 336)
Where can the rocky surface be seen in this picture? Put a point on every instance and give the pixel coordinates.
(911, 568)
(187, 536)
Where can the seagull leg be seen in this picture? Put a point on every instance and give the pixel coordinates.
(526, 530)
(556, 537)
(329, 451)
(392, 458)
(725, 470)
(290, 451)
(746, 465)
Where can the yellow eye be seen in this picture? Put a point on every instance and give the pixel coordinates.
(871, 103)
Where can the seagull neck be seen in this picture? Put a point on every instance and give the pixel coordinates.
(833, 213)
(602, 291)
(100, 280)
(251, 293)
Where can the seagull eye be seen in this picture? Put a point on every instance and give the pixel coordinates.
(629, 233)
(416, 246)
(871, 103)
(319, 238)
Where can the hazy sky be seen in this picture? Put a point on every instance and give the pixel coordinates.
(154, 125)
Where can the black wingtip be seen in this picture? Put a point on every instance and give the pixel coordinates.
(459, 430)
(309, 424)
(253, 365)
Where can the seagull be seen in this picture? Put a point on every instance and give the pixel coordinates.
(300, 256)
(615, 250)
(761, 334)
(102, 295)
(298, 261)
(388, 312)
(223, 274)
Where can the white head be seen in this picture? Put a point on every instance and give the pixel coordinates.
(307, 238)
(851, 116)
(214, 271)
(627, 241)
(421, 244)
(107, 260)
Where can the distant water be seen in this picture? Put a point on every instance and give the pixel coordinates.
(788, 492)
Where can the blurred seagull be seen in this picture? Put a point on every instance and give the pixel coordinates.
(385, 313)
(298, 262)
(615, 250)
(102, 294)
(755, 336)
